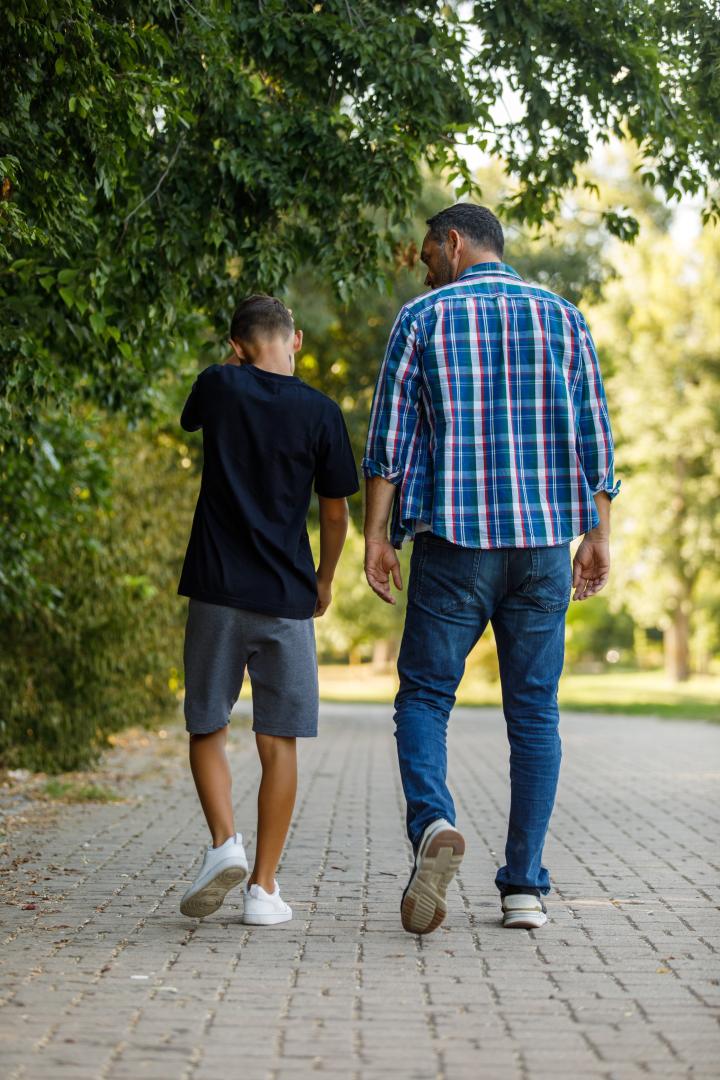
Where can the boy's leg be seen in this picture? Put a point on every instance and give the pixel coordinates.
(276, 800)
(213, 780)
(214, 658)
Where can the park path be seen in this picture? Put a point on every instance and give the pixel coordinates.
(104, 978)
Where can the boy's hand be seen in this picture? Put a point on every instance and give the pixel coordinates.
(324, 591)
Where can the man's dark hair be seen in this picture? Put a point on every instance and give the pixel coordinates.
(260, 315)
(476, 223)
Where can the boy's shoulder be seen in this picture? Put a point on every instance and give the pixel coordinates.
(226, 375)
(322, 399)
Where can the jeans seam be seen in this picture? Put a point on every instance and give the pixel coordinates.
(419, 570)
(476, 571)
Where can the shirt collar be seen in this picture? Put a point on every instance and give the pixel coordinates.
(489, 268)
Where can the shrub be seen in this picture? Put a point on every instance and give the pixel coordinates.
(91, 636)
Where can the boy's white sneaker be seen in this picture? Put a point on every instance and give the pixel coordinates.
(223, 868)
(263, 908)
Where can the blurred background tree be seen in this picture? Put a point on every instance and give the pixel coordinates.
(660, 323)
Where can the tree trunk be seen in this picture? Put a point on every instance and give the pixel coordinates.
(677, 646)
(384, 653)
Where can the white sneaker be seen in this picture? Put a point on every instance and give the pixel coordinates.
(438, 859)
(523, 911)
(223, 868)
(263, 908)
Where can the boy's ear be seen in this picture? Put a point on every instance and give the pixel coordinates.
(237, 356)
(297, 341)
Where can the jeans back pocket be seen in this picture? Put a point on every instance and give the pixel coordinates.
(550, 582)
(443, 574)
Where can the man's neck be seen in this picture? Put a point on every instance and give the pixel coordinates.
(475, 256)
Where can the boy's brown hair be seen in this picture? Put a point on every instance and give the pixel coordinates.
(260, 315)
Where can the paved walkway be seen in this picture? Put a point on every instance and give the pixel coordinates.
(103, 978)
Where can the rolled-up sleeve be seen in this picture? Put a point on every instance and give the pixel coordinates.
(395, 412)
(594, 435)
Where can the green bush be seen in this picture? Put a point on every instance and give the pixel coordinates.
(92, 641)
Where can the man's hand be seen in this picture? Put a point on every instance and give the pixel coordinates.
(380, 562)
(324, 591)
(591, 567)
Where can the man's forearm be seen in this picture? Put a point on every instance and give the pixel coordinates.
(603, 502)
(379, 496)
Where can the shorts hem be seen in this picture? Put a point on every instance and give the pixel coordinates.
(265, 729)
(194, 729)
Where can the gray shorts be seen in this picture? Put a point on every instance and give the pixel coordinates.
(279, 654)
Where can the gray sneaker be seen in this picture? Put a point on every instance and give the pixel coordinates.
(438, 859)
(223, 868)
(523, 910)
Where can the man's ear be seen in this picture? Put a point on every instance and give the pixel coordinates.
(297, 341)
(455, 242)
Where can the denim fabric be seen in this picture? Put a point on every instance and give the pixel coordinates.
(453, 593)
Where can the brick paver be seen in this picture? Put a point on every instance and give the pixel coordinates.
(105, 979)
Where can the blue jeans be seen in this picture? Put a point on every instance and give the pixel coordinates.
(453, 593)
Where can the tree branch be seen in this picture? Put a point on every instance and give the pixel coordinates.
(157, 187)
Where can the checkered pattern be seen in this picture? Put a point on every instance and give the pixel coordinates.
(490, 415)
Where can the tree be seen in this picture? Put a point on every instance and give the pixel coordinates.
(159, 158)
(659, 329)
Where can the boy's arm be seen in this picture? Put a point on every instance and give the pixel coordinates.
(333, 530)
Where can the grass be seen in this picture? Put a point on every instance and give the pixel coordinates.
(75, 791)
(631, 692)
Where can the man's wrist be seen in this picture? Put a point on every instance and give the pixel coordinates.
(374, 537)
(598, 535)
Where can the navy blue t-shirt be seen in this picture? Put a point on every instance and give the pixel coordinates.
(267, 440)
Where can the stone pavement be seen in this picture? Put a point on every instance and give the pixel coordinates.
(105, 979)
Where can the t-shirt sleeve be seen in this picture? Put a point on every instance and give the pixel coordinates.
(335, 470)
(192, 415)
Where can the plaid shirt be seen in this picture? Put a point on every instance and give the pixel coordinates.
(490, 416)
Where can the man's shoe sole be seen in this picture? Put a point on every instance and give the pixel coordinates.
(423, 906)
(210, 897)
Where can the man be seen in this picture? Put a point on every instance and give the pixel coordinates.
(490, 441)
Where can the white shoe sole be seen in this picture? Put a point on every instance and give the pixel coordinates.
(209, 897)
(528, 920)
(271, 919)
(423, 906)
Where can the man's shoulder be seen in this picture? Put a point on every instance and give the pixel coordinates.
(483, 289)
(533, 290)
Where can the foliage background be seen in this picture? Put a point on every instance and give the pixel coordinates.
(159, 160)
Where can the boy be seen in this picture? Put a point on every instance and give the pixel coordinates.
(249, 572)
